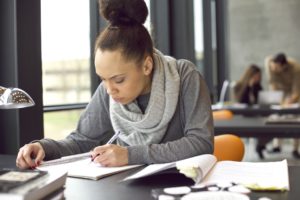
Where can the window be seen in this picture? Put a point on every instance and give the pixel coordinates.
(198, 24)
(66, 55)
(66, 62)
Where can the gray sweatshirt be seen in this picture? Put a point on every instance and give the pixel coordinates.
(190, 131)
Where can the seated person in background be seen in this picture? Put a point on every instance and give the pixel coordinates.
(247, 88)
(246, 91)
(160, 105)
(284, 74)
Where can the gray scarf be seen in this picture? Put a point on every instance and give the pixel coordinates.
(138, 128)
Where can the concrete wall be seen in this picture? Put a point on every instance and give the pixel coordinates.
(258, 28)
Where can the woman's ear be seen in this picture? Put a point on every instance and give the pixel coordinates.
(148, 65)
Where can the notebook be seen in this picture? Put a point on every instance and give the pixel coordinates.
(270, 97)
(81, 166)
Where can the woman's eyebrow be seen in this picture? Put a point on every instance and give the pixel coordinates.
(113, 77)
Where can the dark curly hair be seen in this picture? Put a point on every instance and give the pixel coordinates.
(125, 30)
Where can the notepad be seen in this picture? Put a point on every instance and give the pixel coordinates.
(205, 169)
(83, 168)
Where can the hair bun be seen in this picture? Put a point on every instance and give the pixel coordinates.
(124, 12)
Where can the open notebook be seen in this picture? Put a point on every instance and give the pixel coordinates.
(82, 167)
(205, 169)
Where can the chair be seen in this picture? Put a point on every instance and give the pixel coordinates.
(229, 147)
(222, 114)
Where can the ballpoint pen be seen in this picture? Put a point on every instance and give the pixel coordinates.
(113, 138)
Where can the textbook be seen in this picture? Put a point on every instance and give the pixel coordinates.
(204, 169)
(81, 166)
(29, 184)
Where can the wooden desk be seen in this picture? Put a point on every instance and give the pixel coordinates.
(256, 127)
(110, 188)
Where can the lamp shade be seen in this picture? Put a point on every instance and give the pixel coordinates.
(12, 98)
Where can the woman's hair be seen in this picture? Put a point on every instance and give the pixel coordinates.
(244, 80)
(249, 73)
(125, 30)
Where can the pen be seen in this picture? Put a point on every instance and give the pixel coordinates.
(114, 137)
(110, 141)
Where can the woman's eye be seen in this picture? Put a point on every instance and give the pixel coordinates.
(119, 80)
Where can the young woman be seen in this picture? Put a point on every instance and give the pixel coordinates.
(160, 105)
(247, 88)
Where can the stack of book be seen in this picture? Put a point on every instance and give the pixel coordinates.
(30, 184)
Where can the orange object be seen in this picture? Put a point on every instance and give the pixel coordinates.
(229, 147)
(222, 114)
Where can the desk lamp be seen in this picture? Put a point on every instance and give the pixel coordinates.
(11, 98)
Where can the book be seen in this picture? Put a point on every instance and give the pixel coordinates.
(204, 169)
(283, 119)
(81, 166)
(29, 184)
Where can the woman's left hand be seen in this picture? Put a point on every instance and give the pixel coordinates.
(110, 155)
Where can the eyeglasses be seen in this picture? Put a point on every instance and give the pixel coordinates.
(11, 98)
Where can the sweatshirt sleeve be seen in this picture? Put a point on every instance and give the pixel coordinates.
(94, 128)
(196, 116)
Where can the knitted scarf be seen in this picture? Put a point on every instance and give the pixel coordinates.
(138, 128)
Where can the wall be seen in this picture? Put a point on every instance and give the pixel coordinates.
(259, 28)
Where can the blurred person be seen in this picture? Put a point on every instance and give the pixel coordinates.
(246, 91)
(284, 74)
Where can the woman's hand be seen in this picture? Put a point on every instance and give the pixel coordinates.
(110, 155)
(30, 156)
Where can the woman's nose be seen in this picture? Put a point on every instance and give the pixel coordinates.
(110, 89)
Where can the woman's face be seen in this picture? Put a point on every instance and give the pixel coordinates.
(256, 78)
(123, 79)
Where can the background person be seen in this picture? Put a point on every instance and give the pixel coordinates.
(246, 91)
(284, 74)
(161, 105)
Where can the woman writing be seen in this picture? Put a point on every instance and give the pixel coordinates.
(160, 105)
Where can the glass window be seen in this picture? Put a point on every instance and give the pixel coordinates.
(65, 28)
(60, 124)
(147, 23)
(65, 51)
(198, 24)
(66, 61)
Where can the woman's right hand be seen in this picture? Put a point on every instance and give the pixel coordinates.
(30, 156)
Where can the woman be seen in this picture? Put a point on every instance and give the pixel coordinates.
(160, 105)
(247, 88)
(246, 91)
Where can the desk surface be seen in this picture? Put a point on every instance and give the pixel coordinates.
(110, 187)
(255, 127)
(258, 110)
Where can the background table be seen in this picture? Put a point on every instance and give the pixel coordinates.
(256, 110)
(112, 189)
(244, 126)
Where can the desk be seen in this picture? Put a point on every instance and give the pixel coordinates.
(258, 110)
(110, 188)
(255, 127)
